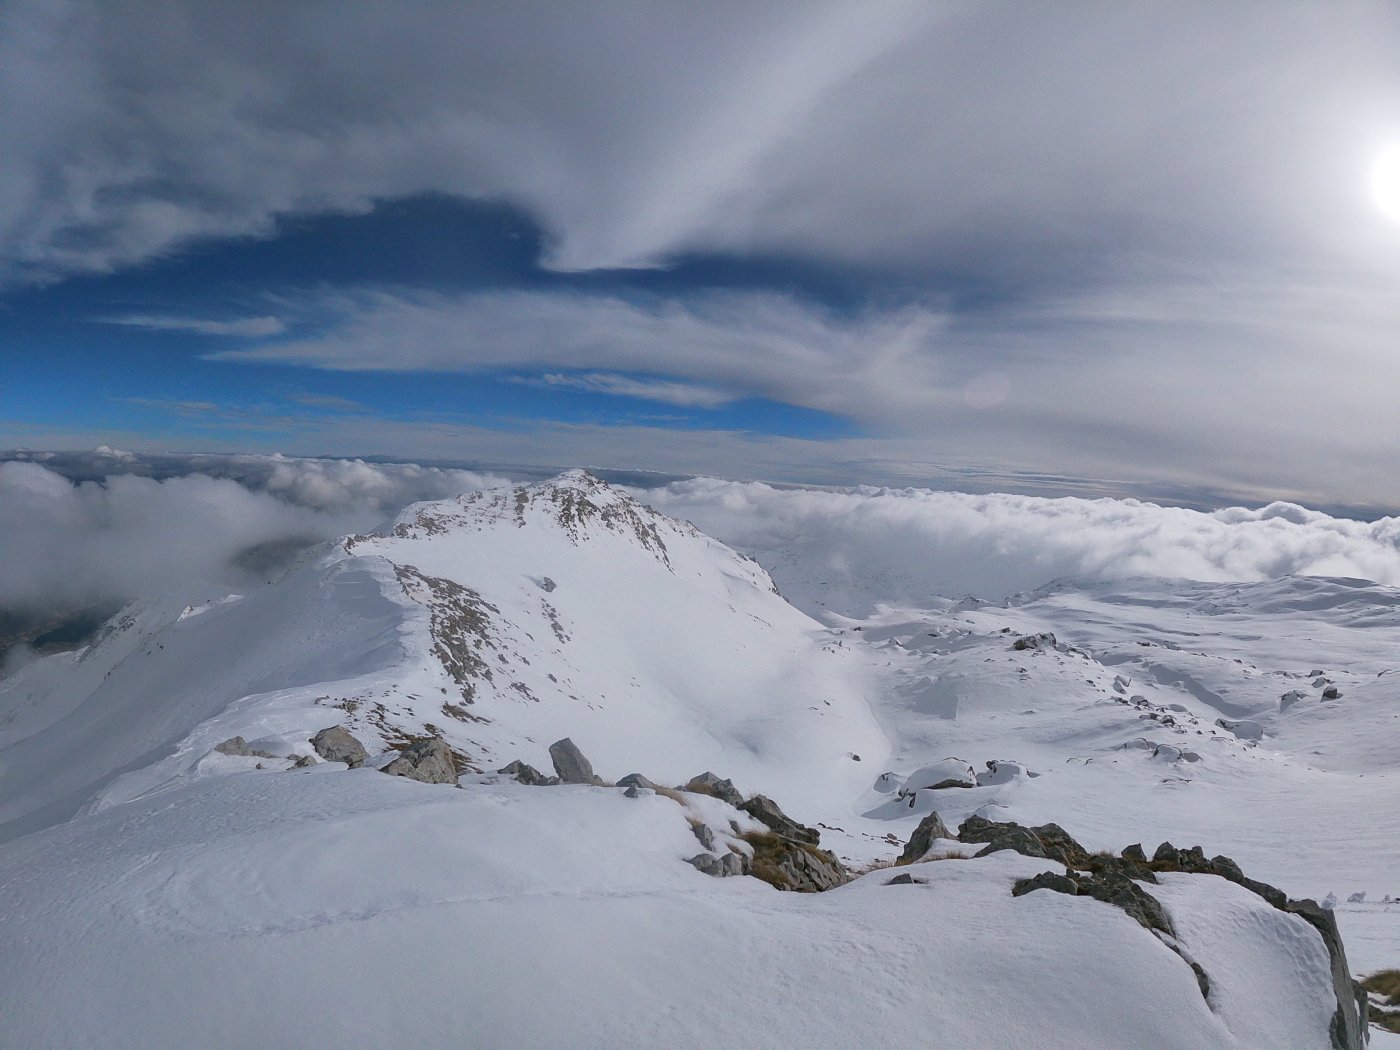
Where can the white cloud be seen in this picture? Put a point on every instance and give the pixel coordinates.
(247, 327)
(847, 550)
(130, 536)
(1245, 382)
(685, 395)
(947, 136)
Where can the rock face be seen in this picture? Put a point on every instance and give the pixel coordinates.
(765, 810)
(708, 783)
(335, 744)
(721, 867)
(570, 764)
(796, 867)
(1349, 1024)
(429, 761)
(930, 828)
(1044, 640)
(1049, 840)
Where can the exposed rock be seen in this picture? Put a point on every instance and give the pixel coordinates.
(811, 871)
(1290, 698)
(304, 761)
(335, 744)
(723, 866)
(1349, 1031)
(705, 835)
(570, 764)
(796, 866)
(1017, 838)
(429, 761)
(1049, 840)
(1134, 853)
(1122, 892)
(708, 783)
(632, 792)
(1061, 845)
(527, 774)
(1331, 693)
(1046, 880)
(238, 747)
(906, 880)
(1044, 640)
(930, 828)
(636, 780)
(766, 811)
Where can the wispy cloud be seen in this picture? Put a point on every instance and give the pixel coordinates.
(684, 395)
(245, 327)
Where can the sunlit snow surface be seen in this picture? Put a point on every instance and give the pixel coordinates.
(195, 893)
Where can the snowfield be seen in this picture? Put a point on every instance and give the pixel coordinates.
(155, 891)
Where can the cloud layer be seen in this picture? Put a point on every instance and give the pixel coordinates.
(848, 550)
(976, 137)
(68, 544)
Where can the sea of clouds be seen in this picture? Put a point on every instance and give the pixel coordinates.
(847, 550)
(110, 527)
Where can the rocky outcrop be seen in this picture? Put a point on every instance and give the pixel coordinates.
(527, 774)
(429, 761)
(1044, 640)
(721, 865)
(1049, 840)
(570, 764)
(794, 866)
(930, 828)
(636, 780)
(1349, 1022)
(708, 783)
(335, 744)
(766, 811)
(238, 747)
(1115, 880)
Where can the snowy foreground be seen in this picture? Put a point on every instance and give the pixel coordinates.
(156, 892)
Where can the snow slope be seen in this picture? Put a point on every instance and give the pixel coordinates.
(359, 909)
(506, 619)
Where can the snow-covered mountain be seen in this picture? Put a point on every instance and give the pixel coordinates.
(1257, 720)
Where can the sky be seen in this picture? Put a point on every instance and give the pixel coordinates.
(1144, 249)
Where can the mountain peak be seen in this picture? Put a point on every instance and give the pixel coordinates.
(576, 502)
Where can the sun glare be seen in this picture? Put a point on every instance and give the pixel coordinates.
(1385, 182)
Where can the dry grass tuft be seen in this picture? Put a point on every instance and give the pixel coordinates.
(1383, 989)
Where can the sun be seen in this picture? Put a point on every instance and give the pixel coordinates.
(1385, 182)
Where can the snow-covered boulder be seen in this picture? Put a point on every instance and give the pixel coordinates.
(949, 773)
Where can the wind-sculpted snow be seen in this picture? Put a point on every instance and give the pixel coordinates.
(848, 550)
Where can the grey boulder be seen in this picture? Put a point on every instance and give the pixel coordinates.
(335, 744)
(428, 761)
(570, 764)
(930, 828)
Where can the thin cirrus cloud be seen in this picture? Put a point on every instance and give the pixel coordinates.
(242, 327)
(1251, 381)
(683, 395)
